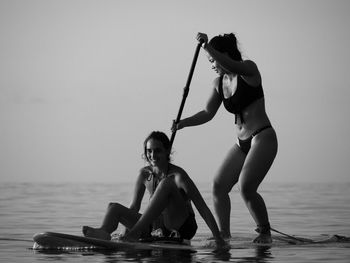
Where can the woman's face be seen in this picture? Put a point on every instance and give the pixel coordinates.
(215, 66)
(156, 154)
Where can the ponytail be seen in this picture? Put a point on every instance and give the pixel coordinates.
(227, 43)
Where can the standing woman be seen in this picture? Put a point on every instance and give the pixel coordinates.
(239, 87)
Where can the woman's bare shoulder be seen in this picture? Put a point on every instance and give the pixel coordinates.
(175, 169)
(179, 174)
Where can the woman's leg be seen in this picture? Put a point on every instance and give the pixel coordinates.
(167, 198)
(256, 166)
(116, 213)
(227, 176)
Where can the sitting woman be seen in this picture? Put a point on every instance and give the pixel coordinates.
(171, 190)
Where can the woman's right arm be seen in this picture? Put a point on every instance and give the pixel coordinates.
(139, 191)
(207, 113)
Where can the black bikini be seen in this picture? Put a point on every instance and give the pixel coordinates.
(245, 145)
(243, 97)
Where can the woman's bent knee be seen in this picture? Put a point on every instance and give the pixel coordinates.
(167, 183)
(247, 192)
(220, 189)
(114, 206)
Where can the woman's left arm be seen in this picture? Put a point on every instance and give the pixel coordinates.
(244, 68)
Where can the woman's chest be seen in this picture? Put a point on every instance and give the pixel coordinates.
(229, 86)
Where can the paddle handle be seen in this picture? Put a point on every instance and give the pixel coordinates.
(186, 91)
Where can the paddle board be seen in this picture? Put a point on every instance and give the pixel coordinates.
(61, 241)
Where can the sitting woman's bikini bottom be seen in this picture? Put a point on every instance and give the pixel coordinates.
(186, 231)
(245, 145)
(189, 227)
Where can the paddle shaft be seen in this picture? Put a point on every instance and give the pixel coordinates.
(185, 92)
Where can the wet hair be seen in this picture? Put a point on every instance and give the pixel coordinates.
(227, 43)
(158, 136)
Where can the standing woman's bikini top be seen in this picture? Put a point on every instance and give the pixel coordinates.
(243, 96)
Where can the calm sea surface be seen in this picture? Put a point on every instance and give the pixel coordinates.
(313, 211)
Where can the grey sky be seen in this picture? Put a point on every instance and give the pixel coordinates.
(83, 82)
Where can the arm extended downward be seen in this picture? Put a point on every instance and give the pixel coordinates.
(207, 113)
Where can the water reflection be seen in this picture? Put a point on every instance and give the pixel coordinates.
(156, 255)
(263, 254)
(260, 254)
(128, 255)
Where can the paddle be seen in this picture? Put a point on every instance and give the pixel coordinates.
(185, 92)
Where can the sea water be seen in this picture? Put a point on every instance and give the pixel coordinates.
(307, 210)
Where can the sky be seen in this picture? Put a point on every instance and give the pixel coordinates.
(82, 83)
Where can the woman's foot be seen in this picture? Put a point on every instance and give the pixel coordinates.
(263, 239)
(96, 233)
(224, 236)
(264, 236)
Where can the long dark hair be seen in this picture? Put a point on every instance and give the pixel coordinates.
(159, 136)
(227, 43)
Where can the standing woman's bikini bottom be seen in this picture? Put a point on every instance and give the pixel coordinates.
(245, 145)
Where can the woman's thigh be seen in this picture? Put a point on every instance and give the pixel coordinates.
(259, 160)
(176, 210)
(229, 171)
